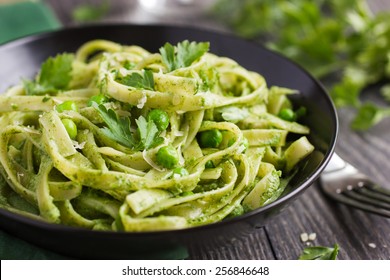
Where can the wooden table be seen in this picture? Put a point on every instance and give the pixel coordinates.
(360, 235)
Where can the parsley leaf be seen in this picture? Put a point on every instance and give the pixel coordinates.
(119, 130)
(57, 71)
(138, 81)
(368, 115)
(34, 88)
(346, 93)
(89, 12)
(168, 56)
(184, 54)
(55, 74)
(149, 133)
(319, 253)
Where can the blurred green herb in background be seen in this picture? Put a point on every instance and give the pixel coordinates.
(330, 38)
(89, 12)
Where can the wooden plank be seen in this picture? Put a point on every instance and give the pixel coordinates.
(255, 245)
(352, 229)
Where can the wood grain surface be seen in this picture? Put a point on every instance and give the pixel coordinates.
(360, 235)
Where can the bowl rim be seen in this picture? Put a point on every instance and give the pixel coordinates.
(267, 208)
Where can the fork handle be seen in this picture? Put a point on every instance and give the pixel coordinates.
(336, 163)
(338, 168)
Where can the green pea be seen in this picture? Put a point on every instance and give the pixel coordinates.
(287, 114)
(209, 164)
(167, 157)
(300, 112)
(187, 193)
(160, 118)
(99, 99)
(180, 172)
(67, 106)
(210, 138)
(231, 141)
(244, 143)
(70, 127)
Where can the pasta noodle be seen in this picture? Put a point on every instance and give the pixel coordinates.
(114, 137)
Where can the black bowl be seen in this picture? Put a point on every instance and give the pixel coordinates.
(22, 59)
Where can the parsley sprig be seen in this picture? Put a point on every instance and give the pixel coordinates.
(183, 55)
(148, 134)
(55, 75)
(119, 129)
(138, 81)
(319, 253)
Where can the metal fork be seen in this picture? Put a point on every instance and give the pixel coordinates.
(344, 183)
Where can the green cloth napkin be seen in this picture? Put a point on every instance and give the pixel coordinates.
(12, 248)
(25, 18)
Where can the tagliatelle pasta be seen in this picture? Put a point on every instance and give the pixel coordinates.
(114, 137)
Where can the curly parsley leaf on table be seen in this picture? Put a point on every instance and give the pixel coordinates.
(319, 253)
(368, 115)
(327, 37)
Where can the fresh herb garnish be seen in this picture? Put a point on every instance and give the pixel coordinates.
(119, 129)
(55, 75)
(319, 253)
(148, 133)
(138, 81)
(369, 115)
(327, 37)
(183, 55)
(89, 12)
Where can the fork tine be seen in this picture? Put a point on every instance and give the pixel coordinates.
(370, 192)
(344, 183)
(366, 198)
(363, 206)
(379, 189)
